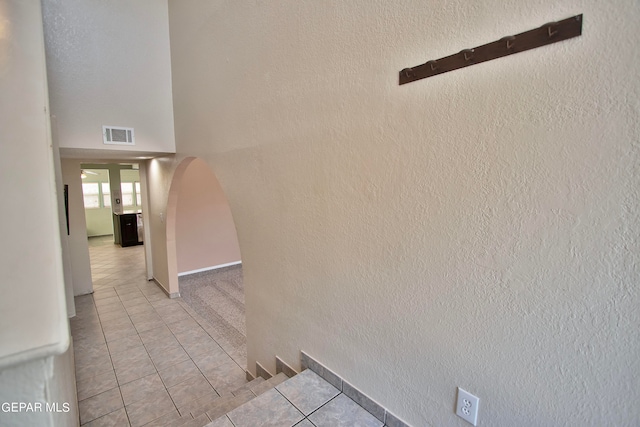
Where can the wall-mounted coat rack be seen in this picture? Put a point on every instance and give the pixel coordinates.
(547, 34)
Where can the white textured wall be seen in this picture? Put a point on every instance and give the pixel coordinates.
(159, 176)
(26, 383)
(476, 229)
(60, 388)
(47, 381)
(77, 238)
(33, 316)
(109, 64)
(62, 222)
(146, 219)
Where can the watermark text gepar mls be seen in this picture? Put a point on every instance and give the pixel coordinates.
(35, 407)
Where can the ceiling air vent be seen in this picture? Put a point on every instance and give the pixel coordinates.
(114, 135)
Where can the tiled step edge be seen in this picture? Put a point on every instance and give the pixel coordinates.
(267, 385)
(370, 405)
(281, 366)
(247, 392)
(226, 404)
(279, 378)
(248, 385)
(262, 372)
(211, 404)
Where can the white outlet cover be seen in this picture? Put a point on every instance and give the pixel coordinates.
(467, 406)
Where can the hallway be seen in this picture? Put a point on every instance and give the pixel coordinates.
(142, 358)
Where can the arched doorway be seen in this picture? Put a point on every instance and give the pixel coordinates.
(201, 234)
(204, 255)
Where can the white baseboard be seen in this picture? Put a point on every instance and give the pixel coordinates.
(215, 267)
(161, 286)
(163, 289)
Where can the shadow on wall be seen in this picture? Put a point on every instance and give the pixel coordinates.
(201, 234)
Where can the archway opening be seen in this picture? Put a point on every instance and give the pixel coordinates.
(204, 254)
(205, 234)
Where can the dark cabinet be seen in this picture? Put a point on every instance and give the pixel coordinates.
(126, 229)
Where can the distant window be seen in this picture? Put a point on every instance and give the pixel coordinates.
(138, 195)
(91, 192)
(106, 195)
(127, 193)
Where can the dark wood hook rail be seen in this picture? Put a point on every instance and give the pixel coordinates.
(552, 32)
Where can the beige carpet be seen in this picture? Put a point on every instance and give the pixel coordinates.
(218, 296)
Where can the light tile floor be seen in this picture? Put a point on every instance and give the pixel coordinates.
(305, 400)
(142, 358)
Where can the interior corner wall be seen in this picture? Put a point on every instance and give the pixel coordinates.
(146, 219)
(205, 233)
(77, 238)
(62, 221)
(116, 189)
(474, 229)
(60, 388)
(159, 176)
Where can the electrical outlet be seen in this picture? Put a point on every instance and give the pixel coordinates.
(467, 406)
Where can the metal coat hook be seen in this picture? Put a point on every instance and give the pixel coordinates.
(408, 72)
(468, 54)
(549, 33)
(510, 41)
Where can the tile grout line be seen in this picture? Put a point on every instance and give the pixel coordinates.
(110, 359)
(120, 297)
(149, 355)
(304, 417)
(190, 357)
